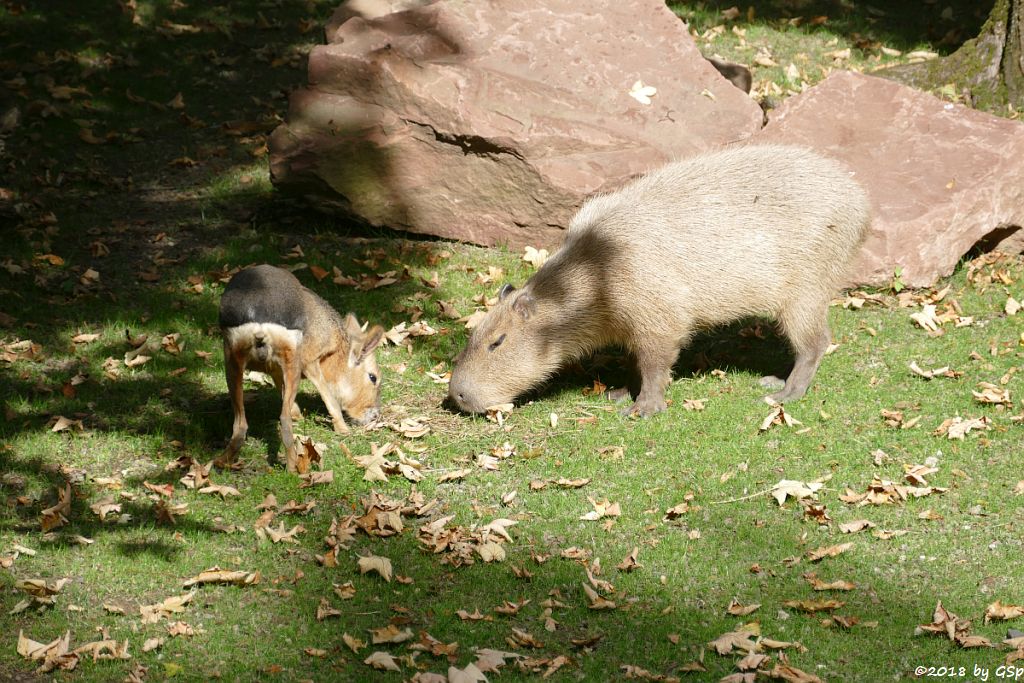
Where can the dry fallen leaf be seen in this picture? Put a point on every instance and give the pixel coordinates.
(629, 563)
(830, 551)
(642, 93)
(596, 601)
(957, 427)
(375, 563)
(218, 575)
(535, 257)
(390, 634)
(738, 640)
(820, 585)
(855, 526)
(814, 605)
(354, 644)
(798, 490)
(778, 416)
(737, 609)
(999, 610)
(382, 661)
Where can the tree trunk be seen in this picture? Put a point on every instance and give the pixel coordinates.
(988, 71)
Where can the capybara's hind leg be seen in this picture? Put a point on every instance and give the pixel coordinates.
(807, 329)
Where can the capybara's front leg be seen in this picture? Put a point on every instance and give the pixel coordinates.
(654, 362)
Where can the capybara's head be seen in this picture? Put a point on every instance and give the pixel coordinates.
(507, 354)
(353, 377)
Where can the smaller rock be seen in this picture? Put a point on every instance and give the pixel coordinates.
(943, 179)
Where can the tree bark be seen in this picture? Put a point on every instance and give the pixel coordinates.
(988, 70)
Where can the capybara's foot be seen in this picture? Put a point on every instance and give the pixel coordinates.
(787, 395)
(645, 407)
(618, 395)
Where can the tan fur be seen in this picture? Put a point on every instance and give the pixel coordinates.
(334, 353)
(758, 230)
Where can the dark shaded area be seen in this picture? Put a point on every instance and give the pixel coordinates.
(903, 24)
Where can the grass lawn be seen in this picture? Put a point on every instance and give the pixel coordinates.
(135, 182)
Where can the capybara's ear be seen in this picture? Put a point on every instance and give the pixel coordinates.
(506, 289)
(524, 305)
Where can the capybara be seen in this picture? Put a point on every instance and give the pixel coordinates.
(753, 230)
(273, 324)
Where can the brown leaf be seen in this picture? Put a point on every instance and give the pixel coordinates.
(57, 515)
(375, 563)
(629, 562)
(830, 551)
(390, 634)
(354, 644)
(474, 616)
(218, 575)
(737, 609)
(855, 526)
(222, 491)
(596, 601)
(819, 585)
(814, 605)
(316, 478)
(739, 640)
(325, 610)
(166, 490)
(382, 661)
(999, 610)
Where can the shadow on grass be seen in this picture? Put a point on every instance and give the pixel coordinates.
(903, 24)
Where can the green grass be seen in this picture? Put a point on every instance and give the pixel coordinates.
(173, 230)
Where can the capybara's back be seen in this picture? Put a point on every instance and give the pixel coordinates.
(747, 230)
(756, 230)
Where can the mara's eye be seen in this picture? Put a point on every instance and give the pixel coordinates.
(496, 343)
(373, 378)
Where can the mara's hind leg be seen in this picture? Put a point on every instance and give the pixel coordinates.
(291, 375)
(278, 376)
(234, 366)
(805, 324)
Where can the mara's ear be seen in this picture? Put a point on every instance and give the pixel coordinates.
(505, 290)
(352, 328)
(524, 305)
(365, 345)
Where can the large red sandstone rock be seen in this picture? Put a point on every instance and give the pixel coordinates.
(941, 177)
(490, 121)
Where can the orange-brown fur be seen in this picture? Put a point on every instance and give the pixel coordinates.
(334, 353)
(758, 230)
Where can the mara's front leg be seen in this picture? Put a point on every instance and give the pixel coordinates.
(654, 360)
(316, 376)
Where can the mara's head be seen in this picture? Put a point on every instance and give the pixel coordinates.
(506, 355)
(354, 377)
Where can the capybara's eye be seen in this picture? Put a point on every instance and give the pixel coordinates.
(373, 378)
(496, 343)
